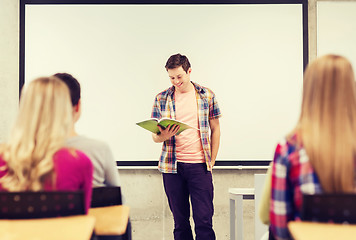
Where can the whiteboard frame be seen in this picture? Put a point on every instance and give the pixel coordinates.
(233, 164)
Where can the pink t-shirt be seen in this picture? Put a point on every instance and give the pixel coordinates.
(74, 171)
(188, 145)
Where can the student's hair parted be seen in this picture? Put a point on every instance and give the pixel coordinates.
(40, 130)
(327, 123)
(178, 60)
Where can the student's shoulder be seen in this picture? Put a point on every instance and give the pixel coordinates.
(289, 148)
(87, 142)
(68, 152)
(204, 90)
(71, 156)
(285, 146)
(165, 93)
(94, 141)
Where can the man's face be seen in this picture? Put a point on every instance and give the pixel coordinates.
(180, 79)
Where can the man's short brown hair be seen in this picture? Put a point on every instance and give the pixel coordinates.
(176, 61)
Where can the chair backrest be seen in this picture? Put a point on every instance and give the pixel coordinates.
(337, 208)
(106, 196)
(27, 205)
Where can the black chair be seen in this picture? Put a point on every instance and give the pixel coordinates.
(106, 196)
(30, 205)
(109, 196)
(336, 208)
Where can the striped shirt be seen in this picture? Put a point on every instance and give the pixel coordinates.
(164, 107)
(292, 176)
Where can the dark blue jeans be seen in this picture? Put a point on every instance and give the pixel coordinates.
(195, 181)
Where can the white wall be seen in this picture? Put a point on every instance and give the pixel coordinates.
(336, 29)
(9, 64)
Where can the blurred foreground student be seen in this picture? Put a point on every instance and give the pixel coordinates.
(187, 160)
(319, 154)
(34, 158)
(105, 170)
(99, 152)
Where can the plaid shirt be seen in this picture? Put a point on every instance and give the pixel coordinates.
(292, 176)
(164, 107)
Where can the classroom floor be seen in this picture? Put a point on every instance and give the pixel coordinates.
(161, 228)
(151, 217)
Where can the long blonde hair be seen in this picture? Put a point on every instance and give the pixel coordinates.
(327, 124)
(41, 127)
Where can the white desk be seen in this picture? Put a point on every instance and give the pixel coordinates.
(236, 213)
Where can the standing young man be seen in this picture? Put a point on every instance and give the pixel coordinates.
(187, 159)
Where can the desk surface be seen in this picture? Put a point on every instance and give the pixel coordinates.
(321, 231)
(111, 220)
(73, 227)
(242, 191)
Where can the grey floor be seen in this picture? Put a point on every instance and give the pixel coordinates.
(162, 227)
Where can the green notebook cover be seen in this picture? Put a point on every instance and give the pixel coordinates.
(152, 124)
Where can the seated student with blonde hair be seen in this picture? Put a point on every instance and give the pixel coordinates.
(34, 158)
(319, 155)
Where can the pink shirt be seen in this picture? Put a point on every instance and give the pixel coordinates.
(74, 171)
(188, 145)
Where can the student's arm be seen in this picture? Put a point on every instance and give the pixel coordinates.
(112, 177)
(165, 134)
(281, 206)
(111, 173)
(215, 138)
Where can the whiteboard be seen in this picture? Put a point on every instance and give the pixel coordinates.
(251, 56)
(336, 29)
